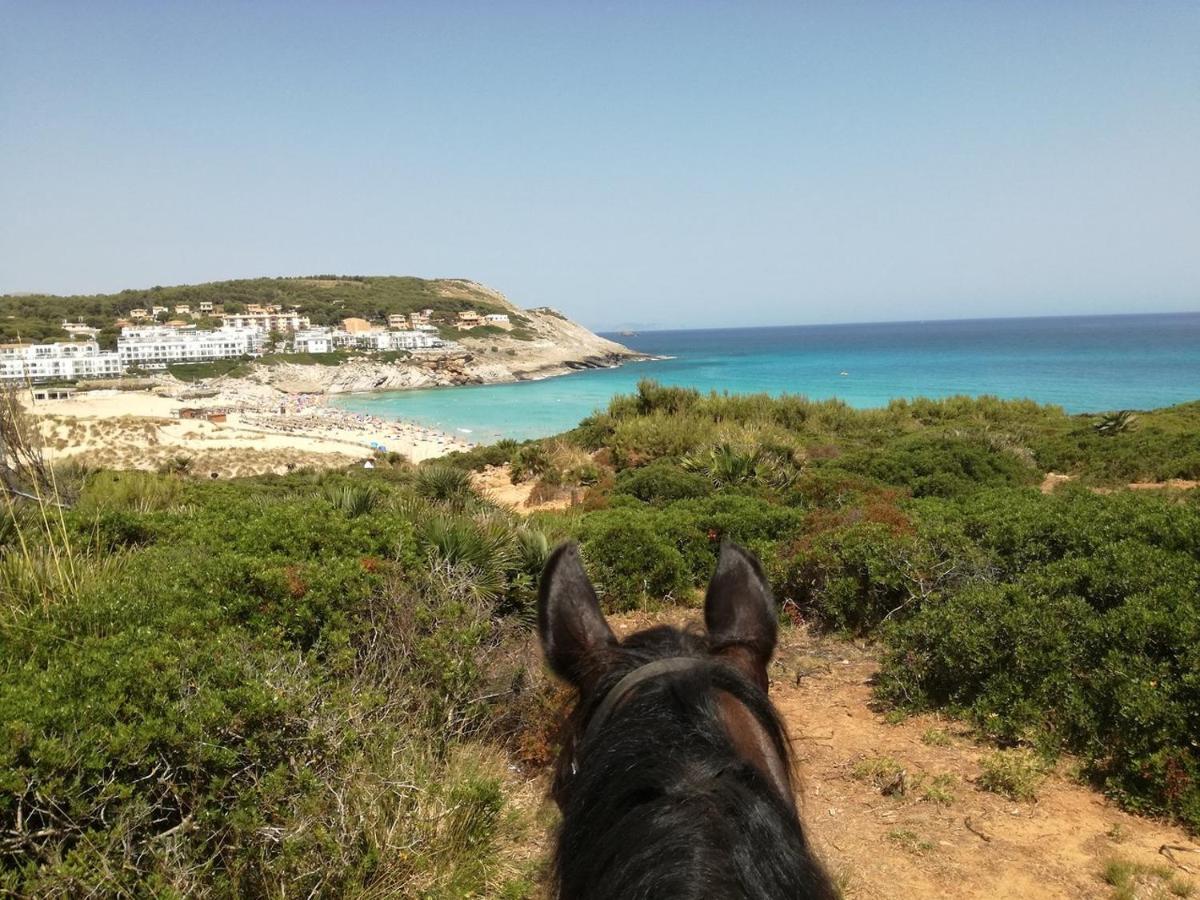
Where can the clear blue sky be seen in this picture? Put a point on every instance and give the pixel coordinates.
(640, 164)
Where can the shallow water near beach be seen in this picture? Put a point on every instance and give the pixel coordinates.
(1083, 364)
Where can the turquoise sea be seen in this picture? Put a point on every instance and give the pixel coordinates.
(1083, 364)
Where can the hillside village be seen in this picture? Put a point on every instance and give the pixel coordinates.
(152, 338)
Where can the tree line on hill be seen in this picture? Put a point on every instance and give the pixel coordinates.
(325, 299)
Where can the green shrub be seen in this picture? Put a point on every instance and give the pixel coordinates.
(647, 438)
(855, 577)
(939, 466)
(630, 560)
(352, 500)
(444, 484)
(1017, 774)
(1086, 641)
(662, 482)
(696, 528)
(528, 461)
(230, 709)
(481, 457)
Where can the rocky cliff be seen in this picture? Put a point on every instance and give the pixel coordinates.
(546, 343)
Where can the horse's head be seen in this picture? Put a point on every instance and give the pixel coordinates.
(728, 660)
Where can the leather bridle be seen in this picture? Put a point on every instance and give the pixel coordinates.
(631, 680)
(625, 686)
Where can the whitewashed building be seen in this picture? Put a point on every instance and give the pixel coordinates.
(62, 361)
(326, 340)
(79, 329)
(267, 320)
(496, 319)
(149, 348)
(414, 340)
(315, 340)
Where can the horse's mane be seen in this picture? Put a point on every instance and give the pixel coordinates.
(661, 805)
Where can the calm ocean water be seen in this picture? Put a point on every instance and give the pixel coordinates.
(1081, 363)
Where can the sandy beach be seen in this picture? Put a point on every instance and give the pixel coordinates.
(263, 430)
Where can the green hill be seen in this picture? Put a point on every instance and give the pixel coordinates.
(326, 299)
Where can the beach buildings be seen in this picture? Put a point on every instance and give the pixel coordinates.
(469, 319)
(315, 340)
(399, 340)
(500, 319)
(414, 340)
(398, 321)
(79, 329)
(327, 340)
(155, 347)
(61, 361)
(266, 320)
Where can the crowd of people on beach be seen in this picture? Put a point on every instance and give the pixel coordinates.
(311, 416)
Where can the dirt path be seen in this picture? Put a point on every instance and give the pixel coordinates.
(943, 838)
(495, 482)
(1052, 480)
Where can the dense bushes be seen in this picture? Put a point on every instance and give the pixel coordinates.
(1156, 446)
(233, 707)
(226, 688)
(1063, 621)
(637, 552)
(662, 482)
(1086, 637)
(940, 466)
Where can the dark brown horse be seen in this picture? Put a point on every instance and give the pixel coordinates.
(675, 779)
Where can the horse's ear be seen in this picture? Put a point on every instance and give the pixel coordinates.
(572, 628)
(739, 613)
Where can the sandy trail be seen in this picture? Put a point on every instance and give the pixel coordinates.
(495, 483)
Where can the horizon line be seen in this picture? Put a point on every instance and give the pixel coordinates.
(636, 331)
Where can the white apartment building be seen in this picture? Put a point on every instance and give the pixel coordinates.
(326, 340)
(267, 321)
(414, 340)
(317, 340)
(76, 329)
(496, 319)
(150, 348)
(63, 361)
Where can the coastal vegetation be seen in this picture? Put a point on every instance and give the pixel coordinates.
(323, 683)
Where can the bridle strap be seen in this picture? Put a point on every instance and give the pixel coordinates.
(632, 680)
